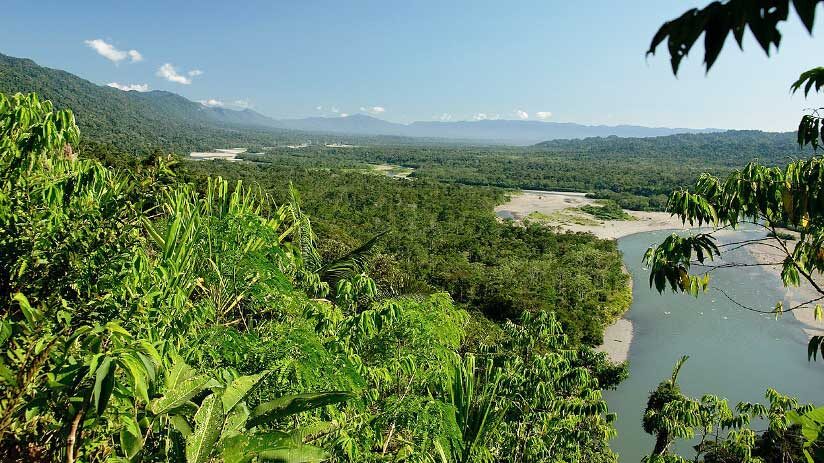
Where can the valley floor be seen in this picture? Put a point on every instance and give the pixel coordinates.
(561, 209)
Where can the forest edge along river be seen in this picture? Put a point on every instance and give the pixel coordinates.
(562, 210)
(741, 352)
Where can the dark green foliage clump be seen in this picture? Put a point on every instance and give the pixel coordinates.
(606, 210)
(446, 237)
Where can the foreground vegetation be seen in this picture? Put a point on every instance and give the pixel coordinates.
(147, 319)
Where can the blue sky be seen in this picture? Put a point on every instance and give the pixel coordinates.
(580, 61)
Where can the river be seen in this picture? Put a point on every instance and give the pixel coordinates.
(734, 353)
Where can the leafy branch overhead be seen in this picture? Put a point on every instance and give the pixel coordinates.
(766, 197)
(718, 20)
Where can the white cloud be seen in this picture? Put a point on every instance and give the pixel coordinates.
(335, 110)
(245, 104)
(344, 115)
(319, 108)
(480, 117)
(195, 73)
(168, 72)
(445, 117)
(373, 109)
(111, 53)
(523, 115)
(543, 115)
(130, 87)
(212, 103)
(135, 56)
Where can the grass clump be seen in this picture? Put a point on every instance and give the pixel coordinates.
(606, 210)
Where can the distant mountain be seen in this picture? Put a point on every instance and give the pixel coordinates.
(529, 132)
(357, 124)
(493, 131)
(134, 120)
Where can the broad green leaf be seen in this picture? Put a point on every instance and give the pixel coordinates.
(103, 385)
(208, 424)
(236, 420)
(5, 331)
(178, 373)
(137, 371)
(237, 390)
(291, 404)
(272, 446)
(180, 394)
(179, 422)
(32, 314)
(131, 438)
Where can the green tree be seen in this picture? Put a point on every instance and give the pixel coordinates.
(768, 197)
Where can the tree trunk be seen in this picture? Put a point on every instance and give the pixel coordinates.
(662, 442)
(71, 439)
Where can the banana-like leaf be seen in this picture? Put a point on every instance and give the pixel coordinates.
(238, 389)
(352, 263)
(181, 425)
(208, 424)
(180, 395)
(235, 422)
(272, 446)
(291, 404)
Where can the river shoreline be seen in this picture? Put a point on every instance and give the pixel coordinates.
(560, 210)
(771, 259)
(619, 334)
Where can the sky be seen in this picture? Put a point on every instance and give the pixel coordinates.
(550, 60)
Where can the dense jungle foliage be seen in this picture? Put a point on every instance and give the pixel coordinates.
(442, 236)
(149, 319)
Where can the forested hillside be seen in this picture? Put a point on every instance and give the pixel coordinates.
(137, 122)
(636, 172)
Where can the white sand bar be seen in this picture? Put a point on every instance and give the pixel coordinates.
(560, 209)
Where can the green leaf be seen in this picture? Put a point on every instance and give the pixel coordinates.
(31, 314)
(103, 385)
(131, 438)
(238, 389)
(291, 404)
(208, 424)
(178, 373)
(5, 331)
(137, 371)
(181, 425)
(235, 421)
(270, 446)
(180, 394)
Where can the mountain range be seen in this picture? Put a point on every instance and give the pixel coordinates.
(159, 118)
(517, 132)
